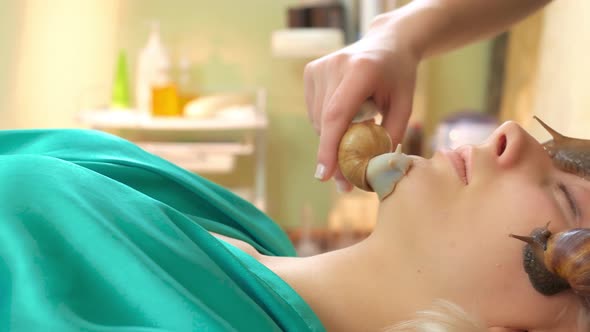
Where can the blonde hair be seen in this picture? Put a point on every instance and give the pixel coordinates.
(445, 316)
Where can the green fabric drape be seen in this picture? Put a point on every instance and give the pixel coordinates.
(99, 235)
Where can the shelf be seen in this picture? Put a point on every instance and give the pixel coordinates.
(306, 42)
(199, 157)
(200, 141)
(180, 149)
(129, 119)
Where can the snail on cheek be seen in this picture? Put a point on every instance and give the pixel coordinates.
(366, 159)
(557, 262)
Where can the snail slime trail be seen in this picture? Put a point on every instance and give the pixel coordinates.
(366, 160)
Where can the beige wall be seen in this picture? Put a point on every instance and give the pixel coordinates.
(64, 48)
(9, 36)
(457, 81)
(563, 82)
(549, 71)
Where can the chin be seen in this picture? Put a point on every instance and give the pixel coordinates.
(426, 184)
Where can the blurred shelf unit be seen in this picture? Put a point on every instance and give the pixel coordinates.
(216, 158)
(130, 119)
(247, 136)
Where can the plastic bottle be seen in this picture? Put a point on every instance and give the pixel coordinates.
(120, 95)
(155, 92)
(368, 10)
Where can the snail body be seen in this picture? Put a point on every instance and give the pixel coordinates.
(386, 170)
(365, 159)
(569, 154)
(556, 262)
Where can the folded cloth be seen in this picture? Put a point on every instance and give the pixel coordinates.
(99, 235)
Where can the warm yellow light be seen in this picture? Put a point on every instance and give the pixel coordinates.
(66, 47)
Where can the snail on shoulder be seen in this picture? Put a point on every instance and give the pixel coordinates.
(366, 159)
(560, 261)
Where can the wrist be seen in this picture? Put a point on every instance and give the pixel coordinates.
(412, 27)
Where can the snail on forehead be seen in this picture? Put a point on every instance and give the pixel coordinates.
(557, 262)
(569, 154)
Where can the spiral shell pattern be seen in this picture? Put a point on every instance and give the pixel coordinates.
(361, 143)
(568, 256)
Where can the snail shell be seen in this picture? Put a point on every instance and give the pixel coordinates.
(571, 155)
(362, 142)
(556, 262)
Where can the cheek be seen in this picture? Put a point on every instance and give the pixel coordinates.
(506, 206)
(492, 282)
(427, 192)
(492, 261)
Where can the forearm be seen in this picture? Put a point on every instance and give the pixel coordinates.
(431, 27)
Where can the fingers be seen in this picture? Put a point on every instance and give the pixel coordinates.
(314, 94)
(330, 88)
(336, 117)
(396, 118)
(320, 79)
(342, 185)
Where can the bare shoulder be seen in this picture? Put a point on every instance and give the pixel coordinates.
(244, 246)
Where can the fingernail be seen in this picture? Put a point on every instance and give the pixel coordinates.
(341, 187)
(320, 171)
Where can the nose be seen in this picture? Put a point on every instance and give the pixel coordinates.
(513, 147)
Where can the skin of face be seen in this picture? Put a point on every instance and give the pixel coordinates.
(458, 242)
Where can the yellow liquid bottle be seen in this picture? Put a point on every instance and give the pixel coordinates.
(165, 101)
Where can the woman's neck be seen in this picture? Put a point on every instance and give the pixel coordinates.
(359, 288)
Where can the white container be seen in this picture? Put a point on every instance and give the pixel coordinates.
(368, 10)
(306, 42)
(153, 69)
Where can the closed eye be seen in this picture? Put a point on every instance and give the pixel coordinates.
(570, 200)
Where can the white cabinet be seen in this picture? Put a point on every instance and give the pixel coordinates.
(246, 132)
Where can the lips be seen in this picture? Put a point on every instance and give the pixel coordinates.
(459, 159)
(466, 153)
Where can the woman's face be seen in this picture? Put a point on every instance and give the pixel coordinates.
(463, 205)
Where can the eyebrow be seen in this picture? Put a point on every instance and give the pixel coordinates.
(570, 200)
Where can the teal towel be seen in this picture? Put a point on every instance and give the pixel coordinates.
(99, 235)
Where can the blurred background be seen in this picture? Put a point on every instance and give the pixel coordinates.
(216, 87)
